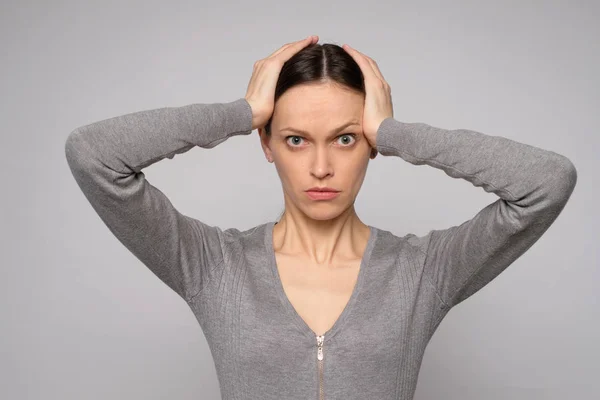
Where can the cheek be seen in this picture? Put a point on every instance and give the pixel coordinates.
(354, 172)
(354, 163)
(290, 172)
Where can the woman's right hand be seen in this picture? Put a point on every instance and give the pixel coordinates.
(261, 89)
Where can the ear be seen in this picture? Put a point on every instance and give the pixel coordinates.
(265, 143)
(374, 153)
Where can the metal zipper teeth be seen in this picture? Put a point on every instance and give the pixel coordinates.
(320, 340)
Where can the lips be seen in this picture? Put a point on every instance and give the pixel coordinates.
(322, 189)
(322, 194)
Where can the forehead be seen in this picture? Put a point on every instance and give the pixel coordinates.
(317, 107)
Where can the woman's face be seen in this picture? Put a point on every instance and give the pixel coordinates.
(317, 140)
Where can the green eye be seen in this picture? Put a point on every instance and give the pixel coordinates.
(299, 137)
(352, 135)
(348, 135)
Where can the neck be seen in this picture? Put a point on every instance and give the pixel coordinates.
(321, 242)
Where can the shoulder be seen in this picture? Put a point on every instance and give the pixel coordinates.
(246, 240)
(239, 234)
(406, 243)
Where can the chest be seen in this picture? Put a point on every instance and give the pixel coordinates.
(319, 294)
(259, 344)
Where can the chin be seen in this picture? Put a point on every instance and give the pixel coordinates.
(323, 210)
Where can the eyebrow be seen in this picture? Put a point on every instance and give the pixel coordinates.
(300, 131)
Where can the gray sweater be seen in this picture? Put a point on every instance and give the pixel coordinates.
(261, 347)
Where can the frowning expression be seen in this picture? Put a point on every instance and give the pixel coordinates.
(317, 141)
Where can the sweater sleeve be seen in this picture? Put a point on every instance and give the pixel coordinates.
(106, 159)
(533, 186)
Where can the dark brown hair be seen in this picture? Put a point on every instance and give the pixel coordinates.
(319, 63)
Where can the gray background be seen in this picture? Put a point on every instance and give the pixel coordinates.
(82, 318)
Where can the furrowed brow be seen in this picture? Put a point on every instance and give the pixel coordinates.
(335, 131)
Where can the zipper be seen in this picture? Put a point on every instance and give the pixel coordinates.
(320, 340)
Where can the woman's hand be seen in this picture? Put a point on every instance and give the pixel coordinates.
(261, 88)
(378, 99)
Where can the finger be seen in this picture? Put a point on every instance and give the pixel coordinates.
(298, 44)
(279, 50)
(287, 45)
(362, 62)
(375, 68)
(373, 65)
(295, 47)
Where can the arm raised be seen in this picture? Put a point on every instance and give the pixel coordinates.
(106, 159)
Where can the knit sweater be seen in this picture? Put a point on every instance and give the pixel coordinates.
(261, 347)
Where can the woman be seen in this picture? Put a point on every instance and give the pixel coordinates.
(317, 304)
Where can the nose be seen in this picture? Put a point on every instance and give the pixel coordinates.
(321, 164)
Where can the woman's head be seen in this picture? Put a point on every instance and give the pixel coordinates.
(314, 136)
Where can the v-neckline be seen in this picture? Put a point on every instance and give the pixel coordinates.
(298, 320)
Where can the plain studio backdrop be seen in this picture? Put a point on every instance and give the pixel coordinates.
(82, 318)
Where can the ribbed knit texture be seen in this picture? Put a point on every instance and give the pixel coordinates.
(261, 347)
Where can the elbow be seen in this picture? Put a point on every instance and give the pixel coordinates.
(564, 180)
(76, 149)
(569, 176)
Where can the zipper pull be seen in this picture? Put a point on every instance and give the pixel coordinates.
(320, 340)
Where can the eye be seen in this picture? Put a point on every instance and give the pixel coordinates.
(352, 135)
(297, 137)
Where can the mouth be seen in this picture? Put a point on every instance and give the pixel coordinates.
(322, 189)
(322, 194)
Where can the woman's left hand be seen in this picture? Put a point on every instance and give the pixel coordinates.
(378, 98)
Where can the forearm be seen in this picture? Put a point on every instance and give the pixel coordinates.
(130, 142)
